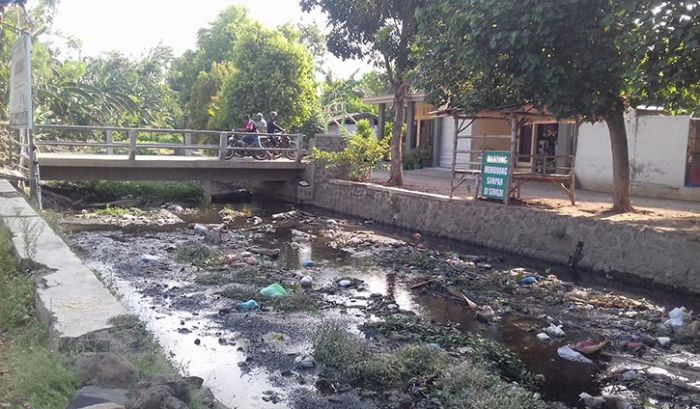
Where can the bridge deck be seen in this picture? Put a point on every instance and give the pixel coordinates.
(160, 162)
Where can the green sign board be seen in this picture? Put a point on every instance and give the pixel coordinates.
(494, 175)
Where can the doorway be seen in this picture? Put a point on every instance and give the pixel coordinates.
(537, 146)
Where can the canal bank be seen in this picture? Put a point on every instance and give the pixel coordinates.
(654, 255)
(405, 297)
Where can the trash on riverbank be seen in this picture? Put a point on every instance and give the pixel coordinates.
(589, 347)
(274, 291)
(249, 305)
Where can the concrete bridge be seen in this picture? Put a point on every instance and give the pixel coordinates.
(84, 153)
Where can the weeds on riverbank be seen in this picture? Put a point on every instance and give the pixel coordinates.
(107, 191)
(483, 350)
(190, 192)
(196, 254)
(112, 211)
(37, 375)
(420, 369)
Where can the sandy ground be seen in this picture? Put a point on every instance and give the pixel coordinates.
(659, 214)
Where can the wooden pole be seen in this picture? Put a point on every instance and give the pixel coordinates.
(574, 148)
(454, 157)
(513, 160)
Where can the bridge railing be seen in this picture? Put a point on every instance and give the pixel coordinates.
(145, 141)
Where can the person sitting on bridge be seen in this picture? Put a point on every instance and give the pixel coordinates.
(249, 127)
(273, 128)
(260, 123)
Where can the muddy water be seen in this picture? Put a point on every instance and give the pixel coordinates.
(184, 316)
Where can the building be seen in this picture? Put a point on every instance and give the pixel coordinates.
(664, 150)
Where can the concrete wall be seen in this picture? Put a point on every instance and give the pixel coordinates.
(658, 147)
(664, 258)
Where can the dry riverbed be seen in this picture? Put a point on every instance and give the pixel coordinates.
(373, 319)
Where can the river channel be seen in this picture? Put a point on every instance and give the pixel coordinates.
(246, 357)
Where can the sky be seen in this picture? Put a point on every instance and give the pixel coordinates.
(132, 26)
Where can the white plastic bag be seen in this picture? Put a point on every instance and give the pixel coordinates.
(676, 317)
(568, 353)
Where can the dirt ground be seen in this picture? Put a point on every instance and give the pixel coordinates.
(659, 214)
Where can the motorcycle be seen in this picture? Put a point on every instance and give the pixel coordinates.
(274, 143)
(239, 146)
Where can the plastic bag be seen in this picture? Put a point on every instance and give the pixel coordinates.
(676, 317)
(568, 353)
(554, 331)
(249, 305)
(274, 291)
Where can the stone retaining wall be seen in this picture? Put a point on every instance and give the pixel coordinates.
(668, 259)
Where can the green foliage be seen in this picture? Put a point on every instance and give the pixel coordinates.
(16, 291)
(470, 386)
(345, 96)
(151, 191)
(486, 351)
(382, 30)
(37, 375)
(112, 211)
(362, 152)
(589, 59)
(455, 384)
(195, 253)
(335, 347)
(273, 74)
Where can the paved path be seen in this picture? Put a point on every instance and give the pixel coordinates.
(70, 299)
(676, 215)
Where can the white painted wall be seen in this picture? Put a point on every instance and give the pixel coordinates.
(660, 150)
(447, 145)
(658, 147)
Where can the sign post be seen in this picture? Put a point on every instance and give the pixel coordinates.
(495, 180)
(22, 112)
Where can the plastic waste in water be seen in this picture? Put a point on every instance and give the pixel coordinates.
(568, 353)
(308, 264)
(554, 331)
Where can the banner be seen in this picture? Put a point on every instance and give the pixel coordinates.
(21, 109)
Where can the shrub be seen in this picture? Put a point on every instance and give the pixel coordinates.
(362, 152)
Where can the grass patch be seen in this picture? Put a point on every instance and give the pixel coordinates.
(189, 192)
(456, 384)
(485, 351)
(294, 302)
(197, 254)
(38, 376)
(112, 211)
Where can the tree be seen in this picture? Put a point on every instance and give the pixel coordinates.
(591, 59)
(383, 30)
(273, 74)
(216, 44)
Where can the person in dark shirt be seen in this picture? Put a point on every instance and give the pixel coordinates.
(273, 127)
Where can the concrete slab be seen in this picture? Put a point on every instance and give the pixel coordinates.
(6, 187)
(71, 300)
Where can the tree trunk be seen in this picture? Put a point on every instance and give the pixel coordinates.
(396, 172)
(620, 160)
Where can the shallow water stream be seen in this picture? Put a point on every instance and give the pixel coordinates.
(192, 323)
